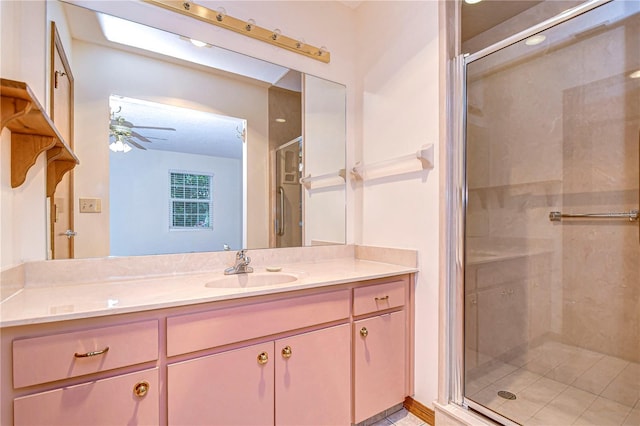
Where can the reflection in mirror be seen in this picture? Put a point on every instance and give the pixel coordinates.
(263, 104)
(175, 179)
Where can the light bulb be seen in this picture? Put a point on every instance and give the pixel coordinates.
(322, 51)
(635, 74)
(250, 24)
(300, 43)
(534, 40)
(197, 43)
(112, 147)
(126, 147)
(276, 34)
(222, 12)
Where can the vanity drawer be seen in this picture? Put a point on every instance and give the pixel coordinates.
(204, 330)
(103, 402)
(59, 356)
(378, 297)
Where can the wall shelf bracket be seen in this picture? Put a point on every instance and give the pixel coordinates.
(32, 133)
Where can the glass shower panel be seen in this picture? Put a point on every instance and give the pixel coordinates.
(552, 301)
(288, 206)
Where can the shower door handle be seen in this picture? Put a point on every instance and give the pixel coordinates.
(632, 215)
(280, 232)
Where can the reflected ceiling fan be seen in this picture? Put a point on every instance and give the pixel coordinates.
(122, 133)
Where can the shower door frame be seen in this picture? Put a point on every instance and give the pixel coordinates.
(456, 207)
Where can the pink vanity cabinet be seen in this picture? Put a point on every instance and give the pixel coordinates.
(381, 349)
(300, 378)
(292, 358)
(81, 373)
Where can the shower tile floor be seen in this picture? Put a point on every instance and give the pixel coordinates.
(557, 385)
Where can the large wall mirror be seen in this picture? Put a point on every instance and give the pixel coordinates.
(188, 147)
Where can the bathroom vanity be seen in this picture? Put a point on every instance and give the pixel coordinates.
(332, 346)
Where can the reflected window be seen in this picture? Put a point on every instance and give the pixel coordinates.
(191, 203)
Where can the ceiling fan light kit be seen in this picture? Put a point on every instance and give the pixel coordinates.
(248, 28)
(122, 133)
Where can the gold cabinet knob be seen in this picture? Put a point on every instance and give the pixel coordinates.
(286, 352)
(263, 358)
(364, 332)
(141, 389)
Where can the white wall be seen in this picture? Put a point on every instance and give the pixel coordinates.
(324, 151)
(23, 227)
(398, 95)
(139, 197)
(101, 72)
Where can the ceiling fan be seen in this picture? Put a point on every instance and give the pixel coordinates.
(123, 133)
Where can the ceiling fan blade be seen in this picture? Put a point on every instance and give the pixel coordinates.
(156, 128)
(158, 139)
(139, 136)
(121, 122)
(136, 144)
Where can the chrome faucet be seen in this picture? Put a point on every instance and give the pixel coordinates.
(241, 266)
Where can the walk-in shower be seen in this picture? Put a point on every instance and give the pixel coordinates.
(551, 232)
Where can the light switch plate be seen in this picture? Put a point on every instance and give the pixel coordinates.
(90, 205)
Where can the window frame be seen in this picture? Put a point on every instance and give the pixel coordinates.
(171, 211)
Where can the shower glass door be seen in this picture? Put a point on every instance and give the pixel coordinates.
(288, 203)
(552, 297)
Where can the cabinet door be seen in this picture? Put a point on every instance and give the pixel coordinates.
(313, 378)
(379, 363)
(106, 402)
(229, 388)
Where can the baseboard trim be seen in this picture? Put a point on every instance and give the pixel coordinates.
(421, 411)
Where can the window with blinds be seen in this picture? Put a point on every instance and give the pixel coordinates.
(191, 201)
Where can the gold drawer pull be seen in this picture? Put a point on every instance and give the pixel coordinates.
(364, 332)
(380, 299)
(141, 389)
(263, 358)
(286, 352)
(94, 353)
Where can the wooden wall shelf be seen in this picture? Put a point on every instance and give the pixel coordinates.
(32, 132)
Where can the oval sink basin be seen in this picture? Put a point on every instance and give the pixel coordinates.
(251, 280)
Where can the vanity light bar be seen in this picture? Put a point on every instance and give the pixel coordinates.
(248, 28)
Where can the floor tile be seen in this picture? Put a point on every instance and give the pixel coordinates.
(603, 412)
(517, 381)
(552, 416)
(519, 409)
(570, 370)
(488, 397)
(404, 418)
(633, 419)
(542, 391)
(625, 388)
(383, 422)
(600, 375)
(497, 371)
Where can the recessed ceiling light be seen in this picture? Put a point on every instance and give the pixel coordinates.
(281, 120)
(635, 74)
(472, 1)
(536, 39)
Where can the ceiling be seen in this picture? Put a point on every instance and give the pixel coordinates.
(197, 132)
(479, 17)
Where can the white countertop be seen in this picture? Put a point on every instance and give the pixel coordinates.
(42, 304)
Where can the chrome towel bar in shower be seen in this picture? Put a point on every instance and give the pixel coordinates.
(632, 215)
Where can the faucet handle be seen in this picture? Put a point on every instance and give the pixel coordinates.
(241, 254)
(247, 260)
